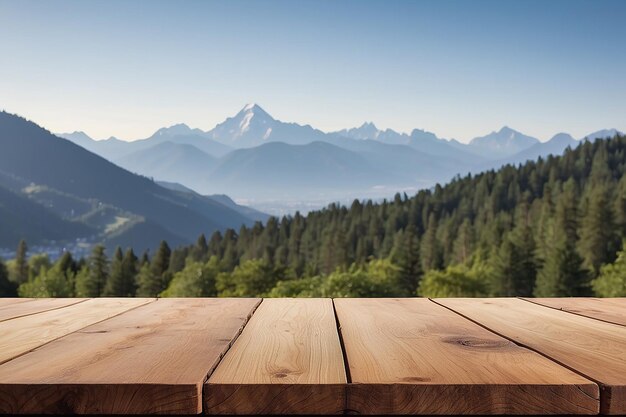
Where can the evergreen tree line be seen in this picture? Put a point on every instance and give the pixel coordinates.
(553, 227)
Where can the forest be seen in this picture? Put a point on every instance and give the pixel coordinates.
(547, 228)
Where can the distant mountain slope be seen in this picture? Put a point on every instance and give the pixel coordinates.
(555, 146)
(183, 135)
(115, 150)
(602, 134)
(276, 169)
(500, 144)
(21, 218)
(169, 160)
(408, 162)
(35, 155)
(248, 212)
(110, 149)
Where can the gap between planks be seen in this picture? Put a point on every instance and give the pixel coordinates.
(346, 366)
(595, 381)
(74, 331)
(589, 316)
(230, 345)
(45, 310)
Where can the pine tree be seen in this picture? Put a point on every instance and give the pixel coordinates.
(562, 273)
(429, 251)
(68, 268)
(93, 282)
(597, 235)
(145, 282)
(121, 282)
(619, 206)
(157, 278)
(21, 268)
(200, 251)
(7, 287)
(406, 255)
(463, 245)
(515, 265)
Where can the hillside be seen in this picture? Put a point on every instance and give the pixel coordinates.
(21, 218)
(31, 155)
(168, 160)
(277, 169)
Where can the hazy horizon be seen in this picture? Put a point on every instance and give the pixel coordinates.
(457, 69)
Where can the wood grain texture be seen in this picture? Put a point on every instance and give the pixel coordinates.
(153, 359)
(411, 356)
(30, 306)
(593, 348)
(23, 334)
(10, 300)
(288, 360)
(611, 310)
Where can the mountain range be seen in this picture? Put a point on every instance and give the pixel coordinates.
(181, 182)
(252, 156)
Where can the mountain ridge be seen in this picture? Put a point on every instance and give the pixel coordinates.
(32, 155)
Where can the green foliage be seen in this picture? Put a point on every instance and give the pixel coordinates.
(303, 287)
(144, 282)
(378, 278)
(195, 280)
(90, 282)
(121, 281)
(36, 263)
(49, 283)
(8, 288)
(598, 235)
(253, 278)
(20, 268)
(406, 255)
(198, 253)
(155, 278)
(456, 281)
(562, 273)
(612, 279)
(514, 263)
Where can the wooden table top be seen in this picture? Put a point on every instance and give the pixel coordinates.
(226, 356)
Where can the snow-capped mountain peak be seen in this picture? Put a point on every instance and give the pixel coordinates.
(249, 126)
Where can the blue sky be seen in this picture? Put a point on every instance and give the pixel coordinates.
(457, 68)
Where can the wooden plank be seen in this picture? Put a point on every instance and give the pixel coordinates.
(288, 360)
(23, 334)
(34, 306)
(10, 300)
(612, 310)
(593, 348)
(153, 359)
(411, 356)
